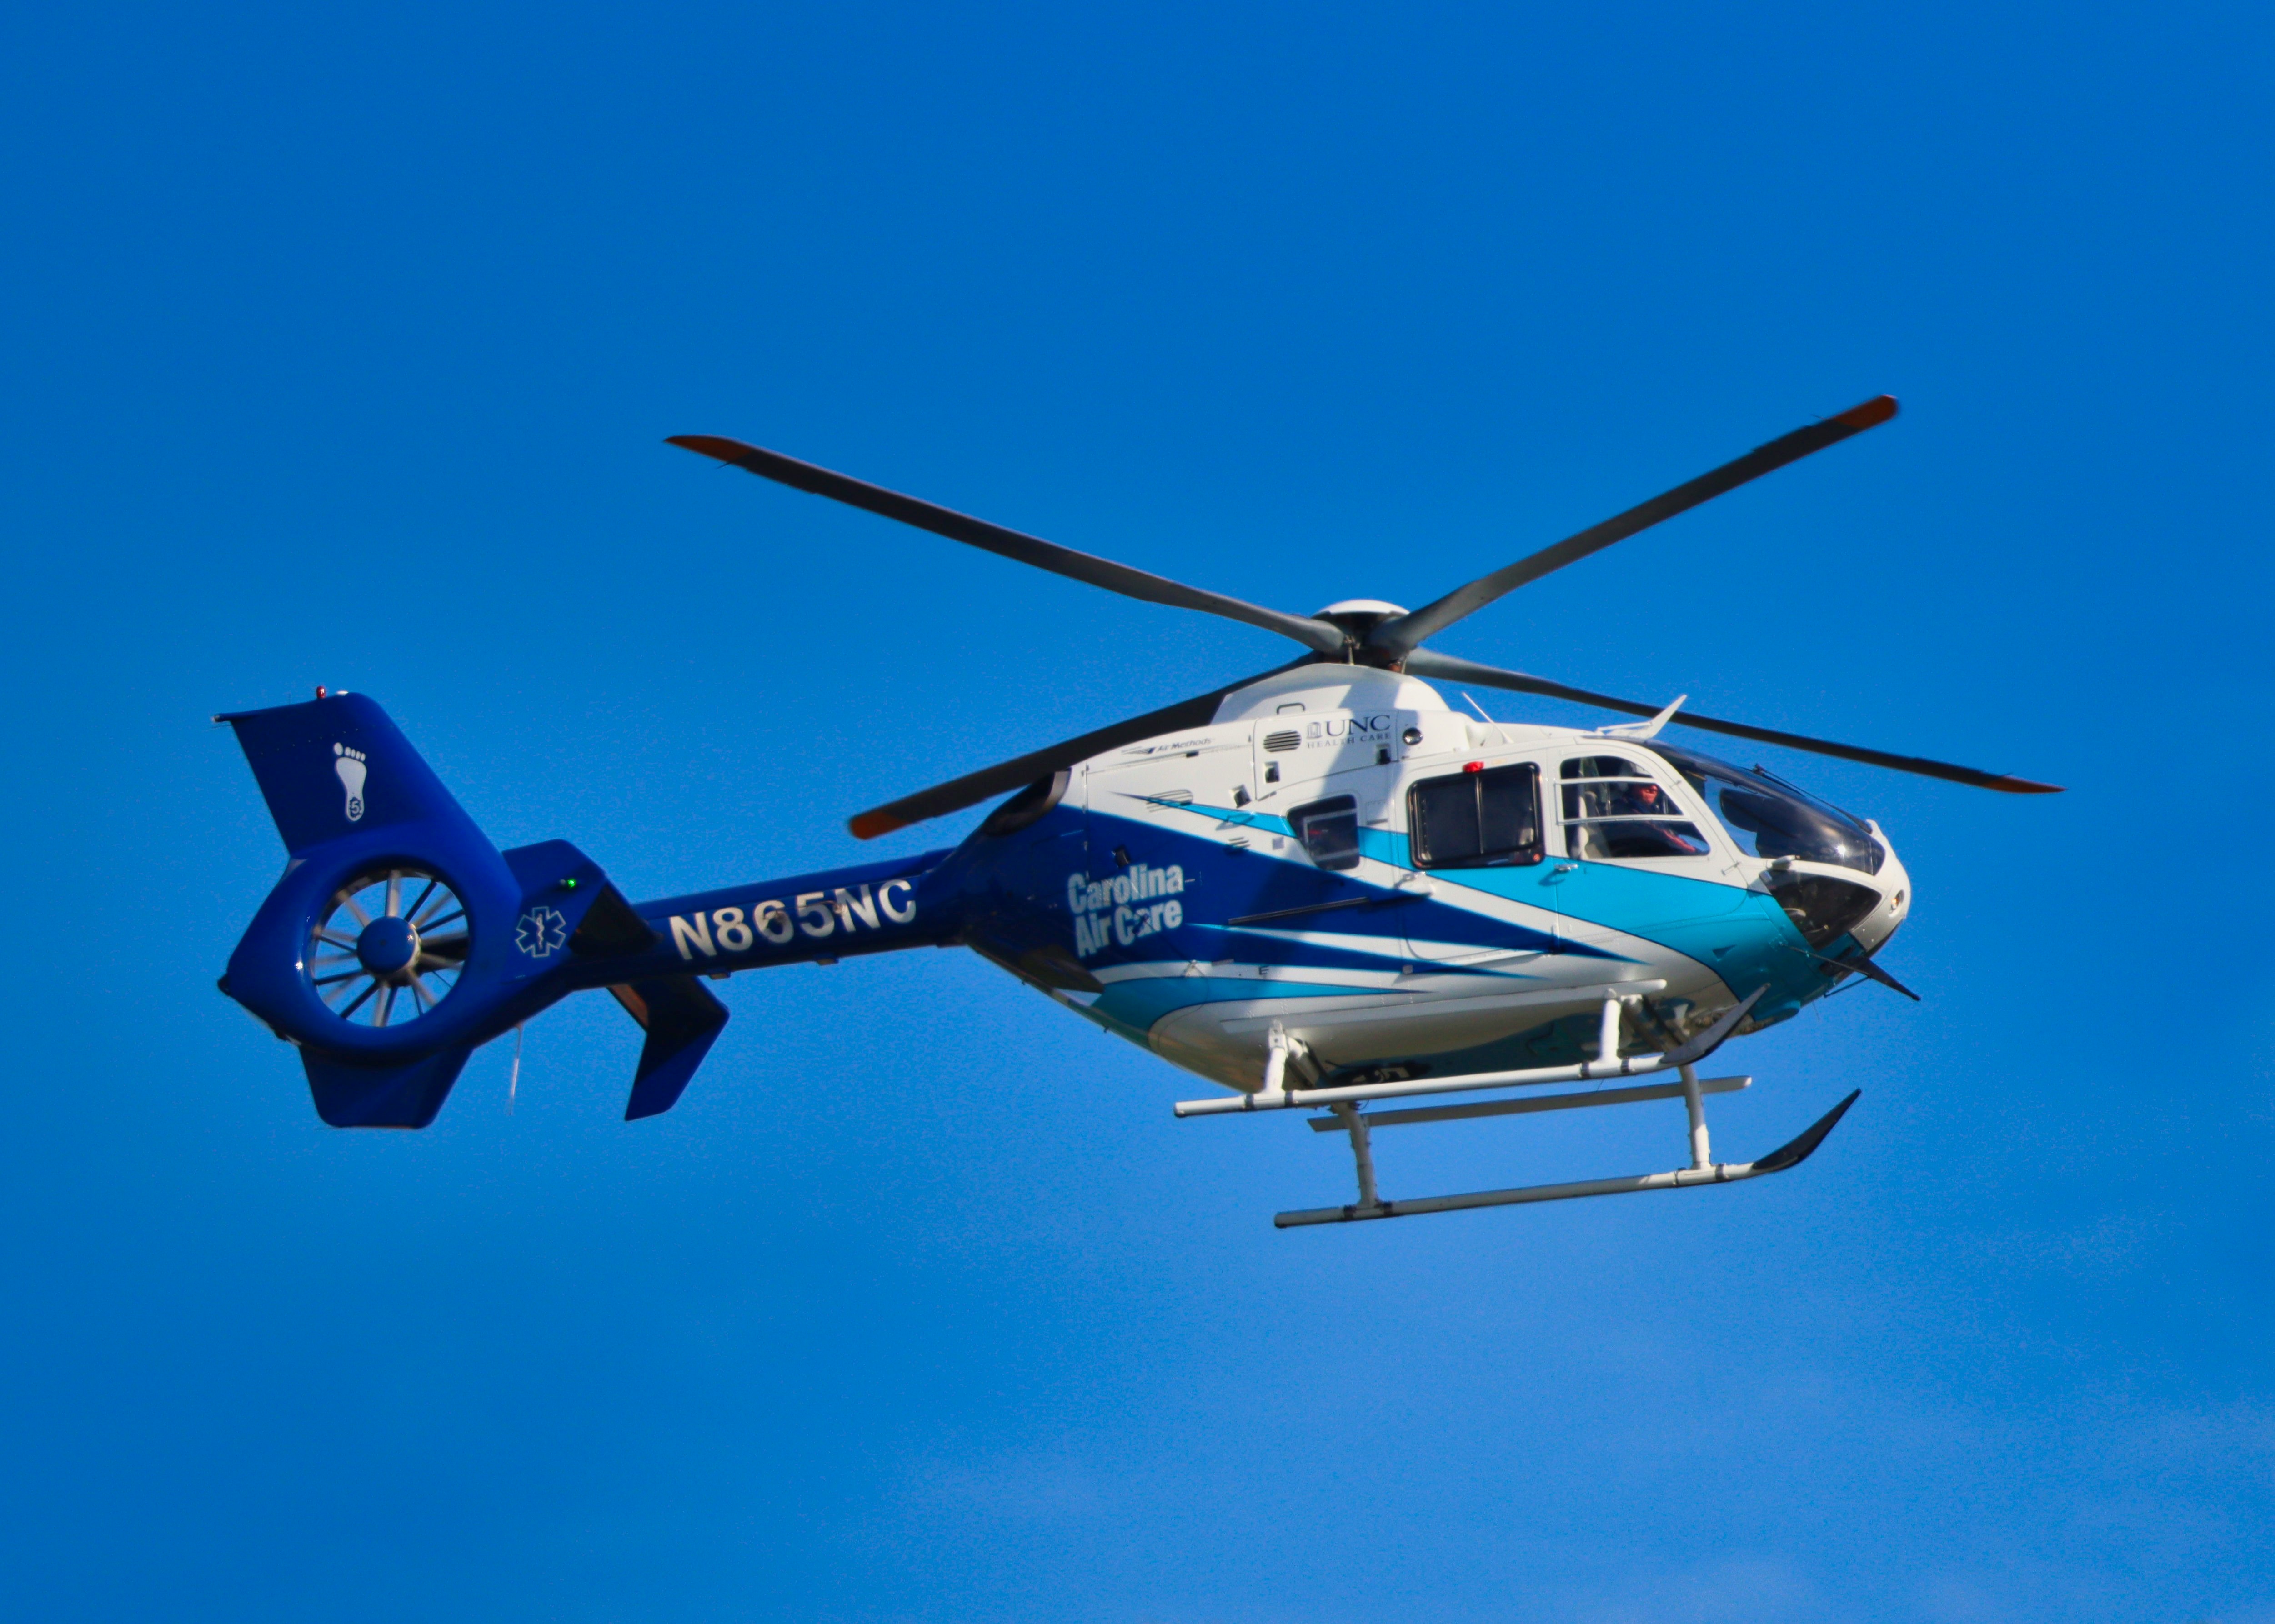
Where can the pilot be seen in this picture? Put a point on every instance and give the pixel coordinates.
(1648, 800)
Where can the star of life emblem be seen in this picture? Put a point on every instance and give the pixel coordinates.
(540, 932)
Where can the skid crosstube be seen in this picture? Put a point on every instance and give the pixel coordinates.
(1347, 1114)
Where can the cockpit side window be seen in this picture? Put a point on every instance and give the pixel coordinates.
(1771, 819)
(1603, 766)
(1615, 809)
(1489, 818)
(1329, 831)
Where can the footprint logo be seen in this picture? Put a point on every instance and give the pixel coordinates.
(351, 769)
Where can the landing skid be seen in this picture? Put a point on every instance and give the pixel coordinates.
(1702, 1170)
(1348, 1115)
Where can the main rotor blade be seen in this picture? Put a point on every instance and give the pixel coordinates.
(1395, 636)
(1007, 543)
(1021, 771)
(1427, 663)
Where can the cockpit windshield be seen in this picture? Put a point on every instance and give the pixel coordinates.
(1771, 819)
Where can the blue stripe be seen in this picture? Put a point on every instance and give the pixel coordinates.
(1233, 884)
(1742, 936)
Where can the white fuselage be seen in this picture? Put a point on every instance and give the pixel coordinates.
(1383, 956)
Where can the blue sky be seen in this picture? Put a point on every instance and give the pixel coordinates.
(340, 347)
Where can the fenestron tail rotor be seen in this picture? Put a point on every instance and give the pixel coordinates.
(390, 948)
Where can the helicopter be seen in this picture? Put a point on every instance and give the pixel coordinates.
(1319, 888)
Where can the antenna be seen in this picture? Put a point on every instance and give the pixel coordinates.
(1640, 730)
(1480, 710)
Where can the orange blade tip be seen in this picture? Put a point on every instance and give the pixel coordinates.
(1871, 414)
(869, 825)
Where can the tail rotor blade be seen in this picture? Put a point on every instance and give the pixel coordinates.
(1427, 663)
(1408, 631)
(1021, 771)
(1007, 543)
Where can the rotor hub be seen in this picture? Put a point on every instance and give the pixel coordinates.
(1356, 617)
(392, 946)
(388, 947)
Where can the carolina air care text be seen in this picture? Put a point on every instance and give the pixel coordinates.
(1121, 909)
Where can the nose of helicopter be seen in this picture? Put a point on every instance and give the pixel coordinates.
(1894, 885)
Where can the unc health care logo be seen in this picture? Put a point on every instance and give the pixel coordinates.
(540, 932)
(349, 764)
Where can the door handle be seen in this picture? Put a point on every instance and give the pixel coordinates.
(1564, 868)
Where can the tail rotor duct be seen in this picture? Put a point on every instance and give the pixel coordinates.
(390, 946)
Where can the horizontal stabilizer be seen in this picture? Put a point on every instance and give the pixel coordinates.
(382, 1096)
(681, 1018)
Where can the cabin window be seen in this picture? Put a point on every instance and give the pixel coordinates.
(1487, 818)
(1614, 809)
(1769, 818)
(1329, 831)
(1603, 766)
